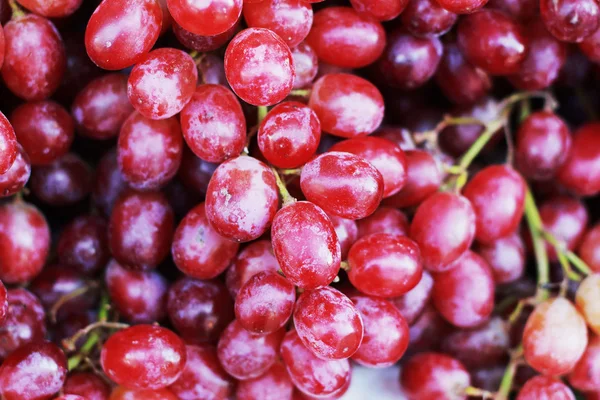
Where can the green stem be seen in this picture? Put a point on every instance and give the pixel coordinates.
(286, 197)
(534, 221)
(262, 113)
(17, 11)
(300, 92)
(567, 255)
(476, 392)
(509, 375)
(481, 141)
(578, 263)
(525, 110)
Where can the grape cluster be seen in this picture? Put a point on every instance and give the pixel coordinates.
(299, 199)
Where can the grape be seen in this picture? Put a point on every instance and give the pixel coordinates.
(570, 21)
(161, 84)
(198, 250)
(207, 18)
(3, 302)
(102, 106)
(24, 242)
(83, 244)
(259, 67)
(109, 183)
(427, 17)
(199, 310)
(385, 10)
(35, 60)
(461, 82)
(542, 145)
(464, 293)
(589, 250)
(2, 44)
(328, 323)
(444, 228)
(289, 135)
(497, 194)
(384, 265)
(306, 64)
(34, 371)
(244, 355)
(462, 6)
(87, 385)
(121, 32)
(565, 218)
(346, 231)
(203, 377)
(139, 296)
(54, 9)
(143, 357)
(141, 228)
(346, 105)
(24, 321)
(265, 303)
(122, 393)
(540, 387)
(256, 257)
(342, 37)
(429, 376)
(66, 181)
(492, 41)
(521, 10)
(213, 124)
(275, 384)
(581, 172)
(428, 330)
(408, 62)
(423, 178)
(149, 151)
(202, 43)
(587, 301)
(194, 172)
(13, 180)
(342, 184)
(310, 374)
(506, 258)
(289, 19)
(412, 304)
(8, 145)
(544, 60)
(386, 332)
(590, 46)
(555, 337)
(384, 220)
(241, 199)
(305, 245)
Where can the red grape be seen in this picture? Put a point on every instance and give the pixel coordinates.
(540, 387)
(581, 172)
(412, 304)
(199, 310)
(162, 83)
(203, 377)
(384, 220)
(386, 332)
(149, 151)
(289, 134)
(409, 61)
(444, 228)
(491, 40)
(461, 82)
(346, 231)
(109, 183)
(13, 180)
(87, 385)
(25, 321)
(565, 218)
(434, 376)
(259, 67)
(310, 374)
(464, 294)
(213, 124)
(83, 244)
(521, 10)
(66, 181)
(328, 323)
(143, 357)
(203, 43)
(122, 393)
(121, 32)
(24, 242)
(347, 105)
(382, 10)
(423, 178)
(139, 296)
(306, 64)
(275, 384)
(343, 184)
(256, 257)
(141, 228)
(207, 18)
(506, 258)
(34, 371)
(102, 106)
(589, 250)
(8, 144)
(342, 37)
(52, 9)
(35, 60)
(570, 20)
(586, 374)
(590, 47)
(241, 199)
(555, 337)
(198, 250)
(265, 303)
(462, 6)
(384, 265)
(427, 17)
(245, 355)
(305, 245)
(194, 172)
(289, 19)
(586, 299)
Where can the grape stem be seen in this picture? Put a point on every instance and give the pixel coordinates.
(300, 92)
(69, 296)
(286, 197)
(345, 266)
(476, 392)
(509, 374)
(261, 113)
(568, 255)
(534, 221)
(17, 11)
